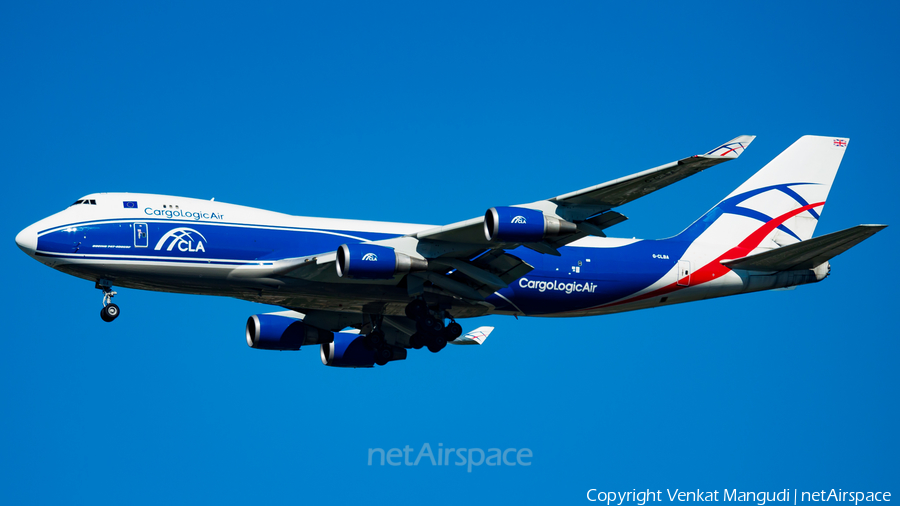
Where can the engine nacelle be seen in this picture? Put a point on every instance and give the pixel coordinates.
(517, 224)
(348, 350)
(370, 261)
(275, 332)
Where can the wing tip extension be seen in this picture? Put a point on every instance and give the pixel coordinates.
(732, 148)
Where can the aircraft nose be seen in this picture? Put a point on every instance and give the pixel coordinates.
(27, 240)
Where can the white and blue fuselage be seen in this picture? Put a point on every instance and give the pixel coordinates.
(185, 245)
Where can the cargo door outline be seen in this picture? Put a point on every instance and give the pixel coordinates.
(141, 235)
(684, 273)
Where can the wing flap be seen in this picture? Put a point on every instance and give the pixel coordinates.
(807, 254)
(505, 266)
(593, 226)
(483, 276)
(597, 224)
(478, 278)
(460, 289)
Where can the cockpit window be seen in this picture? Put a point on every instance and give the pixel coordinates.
(91, 202)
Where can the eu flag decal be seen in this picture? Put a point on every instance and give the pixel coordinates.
(130, 204)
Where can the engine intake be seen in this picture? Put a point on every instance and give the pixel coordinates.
(275, 332)
(517, 224)
(370, 261)
(348, 350)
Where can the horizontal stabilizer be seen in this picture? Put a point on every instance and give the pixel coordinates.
(807, 254)
(477, 336)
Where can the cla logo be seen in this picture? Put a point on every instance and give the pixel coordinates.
(183, 239)
(518, 220)
(370, 257)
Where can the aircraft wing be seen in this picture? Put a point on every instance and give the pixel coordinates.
(461, 261)
(581, 205)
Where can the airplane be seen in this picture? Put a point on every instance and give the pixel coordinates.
(367, 292)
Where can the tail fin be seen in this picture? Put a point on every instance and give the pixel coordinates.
(785, 198)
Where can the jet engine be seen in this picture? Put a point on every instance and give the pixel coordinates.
(348, 350)
(276, 332)
(517, 224)
(370, 261)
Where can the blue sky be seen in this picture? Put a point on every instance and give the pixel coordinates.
(431, 114)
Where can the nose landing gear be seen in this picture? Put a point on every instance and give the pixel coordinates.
(110, 311)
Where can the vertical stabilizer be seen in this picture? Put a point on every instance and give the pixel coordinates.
(784, 199)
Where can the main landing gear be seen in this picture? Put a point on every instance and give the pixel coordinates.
(430, 332)
(374, 340)
(110, 311)
(430, 328)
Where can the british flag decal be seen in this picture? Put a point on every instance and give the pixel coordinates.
(841, 143)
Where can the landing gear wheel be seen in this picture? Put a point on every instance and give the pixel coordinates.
(417, 341)
(109, 313)
(454, 330)
(432, 325)
(436, 344)
(383, 355)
